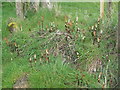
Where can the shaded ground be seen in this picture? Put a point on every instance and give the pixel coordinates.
(21, 82)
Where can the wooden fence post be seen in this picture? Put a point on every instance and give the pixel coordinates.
(109, 6)
(36, 5)
(101, 8)
(19, 9)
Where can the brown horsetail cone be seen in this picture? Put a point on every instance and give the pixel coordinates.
(42, 18)
(98, 39)
(40, 59)
(15, 44)
(98, 19)
(78, 29)
(94, 33)
(77, 19)
(47, 52)
(95, 29)
(30, 60)
(96, 25)
(34, 56)
(89, 28)
(99, 80)
(35, 60)
(101, 31)
(92, 27)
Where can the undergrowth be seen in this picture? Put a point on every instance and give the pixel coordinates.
(49, 69)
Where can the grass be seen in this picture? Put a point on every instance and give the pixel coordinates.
(55, 74)
(13, 70)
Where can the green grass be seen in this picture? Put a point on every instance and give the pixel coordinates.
(13, 70)
(55, 74)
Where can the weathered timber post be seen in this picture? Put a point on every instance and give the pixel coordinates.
(19, 9)
(101, 8)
